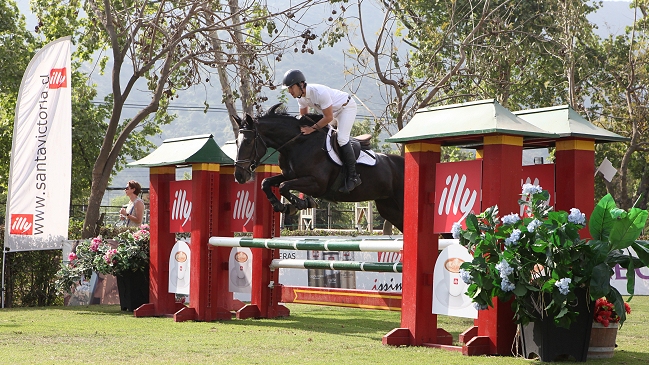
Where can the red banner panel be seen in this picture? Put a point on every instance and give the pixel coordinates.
(180, 195)
(457, 193)
(243, 206)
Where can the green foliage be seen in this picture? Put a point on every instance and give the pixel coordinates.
(538, 261)
(614, 230)
(129, 251)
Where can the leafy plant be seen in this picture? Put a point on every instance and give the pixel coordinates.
(539, 261)
(129, 251)
(613, 231)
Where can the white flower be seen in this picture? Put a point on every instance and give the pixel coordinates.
(457, 227)
(479, 306)
(534, 225)
(506, 285)
(577, 217)
(466, 276)
(513, 238)
(511, 218)
(504, 269)
(563, 285)
(529, 189)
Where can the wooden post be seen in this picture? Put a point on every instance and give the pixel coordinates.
(501, 185)
(266, 293)
(575, 166)
(420, 248)
(161, 302)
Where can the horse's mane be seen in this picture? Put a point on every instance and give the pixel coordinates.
(279, 111)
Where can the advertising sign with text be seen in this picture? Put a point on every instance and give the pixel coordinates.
(457, 193)
(180, 195)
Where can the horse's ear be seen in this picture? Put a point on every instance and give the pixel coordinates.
(274, 108)
(249, 120)
(237, 120)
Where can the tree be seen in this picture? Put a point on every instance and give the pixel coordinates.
(165, 47)
(620, 95)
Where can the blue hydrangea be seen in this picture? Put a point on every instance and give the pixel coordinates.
(479, 306)
(455, 230)
(504, 269)
(466, 276)
(563, 285)
(511, 218)
(534, 225)
(577, 217)
(529, 189)
(506, 285)
(513, 238)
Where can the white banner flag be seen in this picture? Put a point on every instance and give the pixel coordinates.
(38, 199)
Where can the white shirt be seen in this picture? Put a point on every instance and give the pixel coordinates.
(321, 97)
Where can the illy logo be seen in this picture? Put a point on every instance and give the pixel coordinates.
(58, 78)
(455, 196)
(182, 207)
(21, 224)
(243, 207)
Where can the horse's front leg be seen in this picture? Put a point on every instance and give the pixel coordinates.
(266, 186)
(307, 185)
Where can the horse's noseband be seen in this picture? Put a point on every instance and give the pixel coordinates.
(253, 159)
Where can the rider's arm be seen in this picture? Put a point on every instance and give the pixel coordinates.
(328, 116)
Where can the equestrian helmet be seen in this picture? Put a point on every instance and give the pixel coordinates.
(292, 77)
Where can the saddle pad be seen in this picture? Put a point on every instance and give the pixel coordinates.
(366, 157)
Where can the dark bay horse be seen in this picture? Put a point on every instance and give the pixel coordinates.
(306, 167)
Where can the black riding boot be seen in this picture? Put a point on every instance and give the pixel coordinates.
(353, 179)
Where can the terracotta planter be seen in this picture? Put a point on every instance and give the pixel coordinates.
(602, 341)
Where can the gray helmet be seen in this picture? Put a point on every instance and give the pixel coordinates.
(292, 77)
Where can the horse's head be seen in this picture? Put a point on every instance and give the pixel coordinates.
(250, 149)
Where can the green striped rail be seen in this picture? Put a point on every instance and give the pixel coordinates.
(337, 265)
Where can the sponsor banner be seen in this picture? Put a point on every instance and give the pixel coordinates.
(619, 279)
(449, 289)
(38, 199)
(240, 270)
(243, 206)
(458, 187)
(179, 268)
(180, 196)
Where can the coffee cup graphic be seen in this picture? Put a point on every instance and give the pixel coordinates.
(242, 259)
(452, 276)
(181, 266)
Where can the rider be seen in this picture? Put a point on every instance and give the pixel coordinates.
(334, 105)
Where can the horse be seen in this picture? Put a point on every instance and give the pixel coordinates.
(307, 168)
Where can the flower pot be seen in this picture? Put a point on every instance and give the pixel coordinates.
(602, 341)
(133, 288)
(550, 343)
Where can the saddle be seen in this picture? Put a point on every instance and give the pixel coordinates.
(359, 143)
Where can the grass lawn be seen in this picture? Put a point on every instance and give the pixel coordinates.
(311, 335)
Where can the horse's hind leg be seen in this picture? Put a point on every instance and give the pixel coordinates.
(392, 210)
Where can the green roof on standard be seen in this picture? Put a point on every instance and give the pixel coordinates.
(465, 120)
(566, 122)
(185, 151)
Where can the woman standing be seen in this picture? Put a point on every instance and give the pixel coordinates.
(134, 212)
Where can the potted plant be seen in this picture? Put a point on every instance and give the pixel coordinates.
(126, 257)
(605, 326)
(550, 274)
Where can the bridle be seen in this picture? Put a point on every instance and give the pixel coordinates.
(255, 156)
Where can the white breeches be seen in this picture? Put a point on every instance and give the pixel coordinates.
(346, 118)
